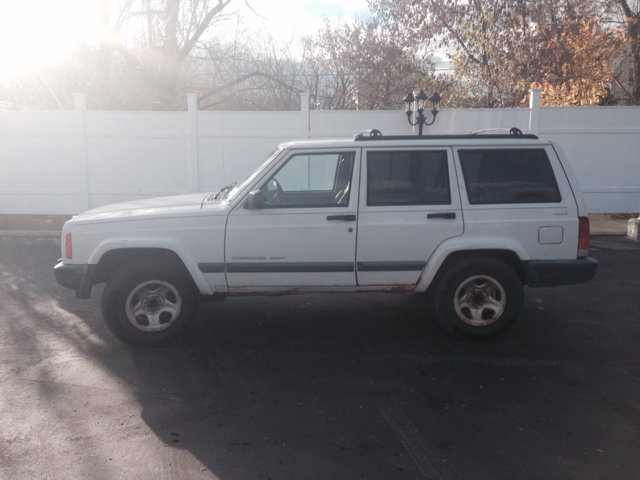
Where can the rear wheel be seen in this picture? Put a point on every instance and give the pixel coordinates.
(146, 304)
(479, 298)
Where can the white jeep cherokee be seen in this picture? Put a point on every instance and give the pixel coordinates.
(468, 218)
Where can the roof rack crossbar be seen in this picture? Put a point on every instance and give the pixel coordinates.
(524, 136)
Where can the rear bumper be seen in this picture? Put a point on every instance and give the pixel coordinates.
(76, 277)
(552, 273)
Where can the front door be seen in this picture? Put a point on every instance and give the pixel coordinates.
(407, 208)
(305, 236)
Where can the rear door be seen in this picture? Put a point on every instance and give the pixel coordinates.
(407, 208)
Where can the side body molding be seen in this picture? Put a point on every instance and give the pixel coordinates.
(166, 243)
(460, 244)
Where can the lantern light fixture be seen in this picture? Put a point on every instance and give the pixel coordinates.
(418, 102)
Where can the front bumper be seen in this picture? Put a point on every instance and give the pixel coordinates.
(76, 277)
(553, 273)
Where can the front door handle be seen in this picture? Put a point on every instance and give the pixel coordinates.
(344, 218)
(446, 215)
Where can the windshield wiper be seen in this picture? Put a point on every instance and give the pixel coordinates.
(222, 193)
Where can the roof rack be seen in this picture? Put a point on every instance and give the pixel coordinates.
(514, 134)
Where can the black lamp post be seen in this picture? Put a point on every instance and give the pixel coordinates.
(419, 100)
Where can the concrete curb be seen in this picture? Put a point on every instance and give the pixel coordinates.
(29, 233)
(604, 234)
(633, 229)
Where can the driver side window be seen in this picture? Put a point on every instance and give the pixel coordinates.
(311, 180)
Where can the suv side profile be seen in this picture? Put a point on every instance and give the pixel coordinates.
(468, 219)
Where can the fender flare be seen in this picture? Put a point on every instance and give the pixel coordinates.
(166, 243)
(458, 244)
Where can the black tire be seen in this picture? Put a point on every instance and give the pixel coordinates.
(478, 298)
(145, 304)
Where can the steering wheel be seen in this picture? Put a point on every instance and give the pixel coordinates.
(273, 191)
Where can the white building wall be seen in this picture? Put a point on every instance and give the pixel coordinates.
(68, 162)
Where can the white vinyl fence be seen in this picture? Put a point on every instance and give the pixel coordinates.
(69, 162)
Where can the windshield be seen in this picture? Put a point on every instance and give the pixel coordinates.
(233, 193)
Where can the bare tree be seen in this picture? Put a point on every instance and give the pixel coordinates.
(630, 13)
(151, 41)
(157, 50)
(363, 66)
(263, 74)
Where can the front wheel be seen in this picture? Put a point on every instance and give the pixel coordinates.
(145, 304)
(479, 298)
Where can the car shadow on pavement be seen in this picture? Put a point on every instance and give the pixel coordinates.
(273, 387)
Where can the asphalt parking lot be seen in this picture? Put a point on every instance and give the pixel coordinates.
(321, 387)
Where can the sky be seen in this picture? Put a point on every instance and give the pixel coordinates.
(34, 32)
(302, 17)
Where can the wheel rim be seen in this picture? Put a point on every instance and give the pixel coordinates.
(480, 300)
(153, 306)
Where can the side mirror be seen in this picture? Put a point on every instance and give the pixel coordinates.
(255, 200)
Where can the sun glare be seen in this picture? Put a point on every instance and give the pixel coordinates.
(36, 32)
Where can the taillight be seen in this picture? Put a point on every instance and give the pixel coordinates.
(583, 237)
(68, 246)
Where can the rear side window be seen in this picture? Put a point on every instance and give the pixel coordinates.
(407, 178)
(508, 176)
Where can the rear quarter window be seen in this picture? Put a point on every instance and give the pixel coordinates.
(508, 176)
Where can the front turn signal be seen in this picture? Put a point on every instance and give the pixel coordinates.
(69, 250)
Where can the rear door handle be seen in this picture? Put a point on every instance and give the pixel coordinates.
(344, 218)
(446, 215)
